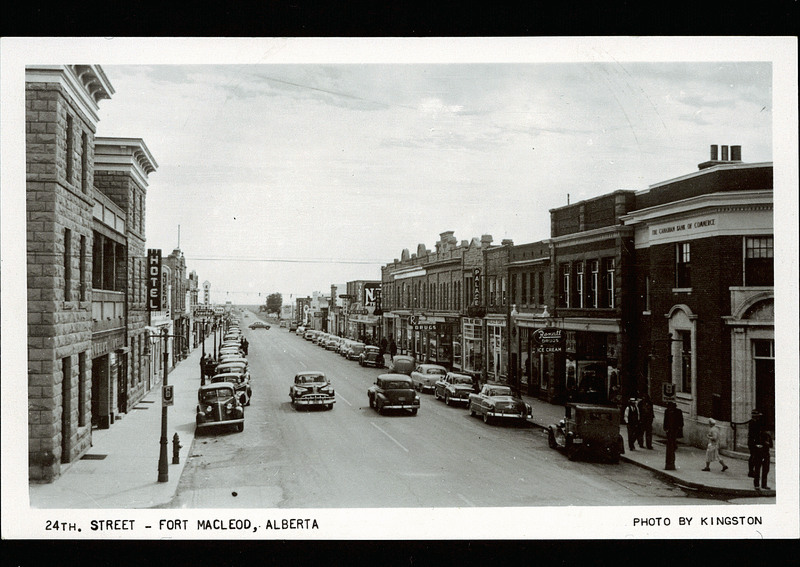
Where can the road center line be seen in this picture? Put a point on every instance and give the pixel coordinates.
(465, 499)
(343, 399)
(389, 436)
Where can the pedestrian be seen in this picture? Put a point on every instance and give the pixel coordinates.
(762, 459)
(754, 427)
(646, 416)
(673, 427)
(712, 449)
(631, 418)
(245, 345)
(392, 349)
(384, 344)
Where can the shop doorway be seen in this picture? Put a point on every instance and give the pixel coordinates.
(764, 362)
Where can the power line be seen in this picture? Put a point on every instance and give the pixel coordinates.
(284, 260)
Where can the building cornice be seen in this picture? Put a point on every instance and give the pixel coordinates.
(724, 200)
(128, 155)
(589, 236)
(86, 85)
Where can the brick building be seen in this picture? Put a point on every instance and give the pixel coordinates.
(705, 291)
(530, 291)
(425, 297)
(61, 104)
(592, 274)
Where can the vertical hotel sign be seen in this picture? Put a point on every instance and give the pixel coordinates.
(154, 280)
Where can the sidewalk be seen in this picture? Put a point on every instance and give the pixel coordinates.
(689, 461)
(120, 470)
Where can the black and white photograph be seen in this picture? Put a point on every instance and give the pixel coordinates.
(388, 288)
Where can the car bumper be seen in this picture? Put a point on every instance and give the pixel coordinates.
(223, 422)
(508, 414)
(401, 406)
(314, 400)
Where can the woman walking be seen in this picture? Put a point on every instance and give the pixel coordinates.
(712, 451)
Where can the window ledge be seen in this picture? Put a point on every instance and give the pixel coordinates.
(681, 290)
(646, 313)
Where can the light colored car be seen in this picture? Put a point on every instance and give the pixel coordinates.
(354, 350)
(300, 330)
(309, 335)
(454, 388)
(343, 346)
(312, 388)
(240, 383)
(498, 401)
(425, 376)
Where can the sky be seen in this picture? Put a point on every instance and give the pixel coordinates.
(284, 174)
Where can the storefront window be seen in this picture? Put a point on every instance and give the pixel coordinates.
(472, 347)
(457, 349)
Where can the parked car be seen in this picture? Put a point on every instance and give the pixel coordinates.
(259, 325)
(354, 350)
(284, 324)
(300, 330)
(331, 342)
(320, 338)
(393, 391)
(454, 388)
(234, 365)
(217, 404)
(309, 335)
(403, 364)
(312, 388)
(343, 346)
(425, 376)
(240, 384)
(588, 429)
(371, 356)
(292, 327)
(498, 401)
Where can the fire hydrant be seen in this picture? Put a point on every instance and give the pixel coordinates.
(176, 449)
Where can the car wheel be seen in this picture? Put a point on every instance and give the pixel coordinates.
(485, 418)
(371, 402)
(379, 407)
(551, 439)
(471, 410)
(572, 452)
(614, 455)
(447, 398)
(240, 426)
(414, 411)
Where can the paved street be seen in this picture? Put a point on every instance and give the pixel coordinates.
(353, 457)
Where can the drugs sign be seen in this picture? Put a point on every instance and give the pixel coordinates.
(548, 339)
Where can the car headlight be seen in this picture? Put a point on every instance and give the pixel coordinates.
(208, 409)
(229, 406)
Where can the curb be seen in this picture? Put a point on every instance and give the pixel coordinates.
(699, 487)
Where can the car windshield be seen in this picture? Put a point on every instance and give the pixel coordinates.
(396, 385)
(499, 391)
(310, 379)
(462, 380)
(217, 394)
(435, 371)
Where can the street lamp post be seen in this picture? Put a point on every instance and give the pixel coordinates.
(203, 357)
(163, 466)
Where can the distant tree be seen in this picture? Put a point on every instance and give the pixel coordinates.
(274, 303)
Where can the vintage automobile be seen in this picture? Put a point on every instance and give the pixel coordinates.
(403, 364)
(217, 404)
(300, 331)
(308, 335)
(312, 388)
(393, 391)
(354, 350)
(454, 388)
(320, 338)
(240, 383)
(332, 342)
(284, 324)
(371, 356)
(259, 325)
(498, 401)
(343, 346)
(588, 429)
(292, 327)
(425, 376)
(235, 366)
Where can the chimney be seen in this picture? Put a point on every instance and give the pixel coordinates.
(724, 153)
(714, 154)
(507, 242)
(486, 240)
(736, 153)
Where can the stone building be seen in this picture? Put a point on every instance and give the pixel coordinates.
(120, 366)
(61, 104)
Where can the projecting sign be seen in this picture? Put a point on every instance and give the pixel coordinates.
(167, 395)
(668, 391)
(154, 280)
(476, 292)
